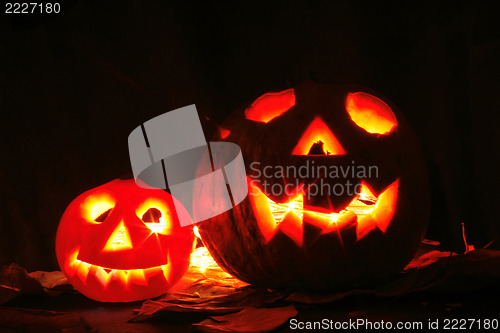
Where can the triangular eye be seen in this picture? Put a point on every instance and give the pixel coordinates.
(318, 139)
(370, 113)
(270, 105)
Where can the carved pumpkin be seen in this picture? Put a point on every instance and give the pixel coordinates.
(120, 242)
(299, 230)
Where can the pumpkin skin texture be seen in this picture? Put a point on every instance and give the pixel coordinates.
(120, 242)
(324, 241)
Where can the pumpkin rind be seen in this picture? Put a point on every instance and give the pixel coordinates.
(118, 257)
(335, 260)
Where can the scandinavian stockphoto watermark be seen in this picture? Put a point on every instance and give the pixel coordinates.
(331, 180)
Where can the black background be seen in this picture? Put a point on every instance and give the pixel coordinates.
(74, 85)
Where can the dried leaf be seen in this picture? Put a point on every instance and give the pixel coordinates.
(53, 283)
(248, 320)
(199, 297)
(475, 270)
(15, 280)
(428, 258)
(15, 277)
(202, 307)
(7, 293)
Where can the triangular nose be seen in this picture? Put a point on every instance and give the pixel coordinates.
(318, 139)
(119, 239)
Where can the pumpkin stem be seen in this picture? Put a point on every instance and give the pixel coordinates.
(317, 148)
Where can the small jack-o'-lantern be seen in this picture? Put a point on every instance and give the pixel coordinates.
(338, 193)
(120, 242)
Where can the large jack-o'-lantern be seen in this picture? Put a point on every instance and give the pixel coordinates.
(120, 242)
(338, 193)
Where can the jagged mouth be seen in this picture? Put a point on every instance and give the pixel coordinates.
(362, 205)
(105, 275)
(366, 211)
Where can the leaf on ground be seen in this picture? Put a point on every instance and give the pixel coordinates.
(15, 280)
(15, 277)
(53, 283)
(203, 307)
(250, 319)
(200, 297)
(7, 293)
(205, 277)
(428, 258)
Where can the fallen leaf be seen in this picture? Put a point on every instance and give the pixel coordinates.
(15, 280)
(7, 293)
(202, 307)
(53, 283)
(248, 320)
(427, 259)
(15, 277)
(200, 296)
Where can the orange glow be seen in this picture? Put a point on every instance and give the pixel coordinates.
(119, 239)
(292, 227)
(196, 232)
(104, 275)
(270, 105)
(369, 211)
(279, 211)
(318, 131)
(370, 113)
(262, 210)
(224, 133)
(166, 269)
(120, 242)
(386, 206)
(82, 270)
(201, 260)
(382, 213)
(98, 209)
(136, 276)
(95, 205)
(164, 225)
(365, 191)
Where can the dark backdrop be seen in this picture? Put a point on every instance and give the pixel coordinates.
(74, 85)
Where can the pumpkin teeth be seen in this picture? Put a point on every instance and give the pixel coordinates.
(362, 205)
(119, 275)
(166, 270)
(102, 276)
(279, 211)
(135, 276)
(371, 212)
(82, 270)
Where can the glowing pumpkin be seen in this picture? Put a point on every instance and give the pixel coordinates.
(120, 242)
(306, 231)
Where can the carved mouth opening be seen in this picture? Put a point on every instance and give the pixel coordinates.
(366, 210)
(104, 275)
